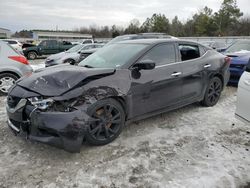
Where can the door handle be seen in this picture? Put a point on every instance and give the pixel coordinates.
(247, 82)
(207, 66)
(175, 74)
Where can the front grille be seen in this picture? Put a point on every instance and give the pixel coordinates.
(12, 101)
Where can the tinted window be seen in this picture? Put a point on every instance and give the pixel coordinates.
(66, 43)
(161, 54)
(52, 43)
(188, 51)
(43, 43)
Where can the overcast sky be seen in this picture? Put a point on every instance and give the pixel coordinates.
(69, 14)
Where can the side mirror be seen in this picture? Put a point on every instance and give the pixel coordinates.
(145, 65)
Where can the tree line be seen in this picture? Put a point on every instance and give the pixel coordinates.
(227, 21)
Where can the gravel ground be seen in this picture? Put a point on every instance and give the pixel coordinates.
(190, 147)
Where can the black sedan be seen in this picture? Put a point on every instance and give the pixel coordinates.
(123, 82)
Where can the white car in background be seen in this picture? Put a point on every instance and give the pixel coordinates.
(243, 96)
(14, 43)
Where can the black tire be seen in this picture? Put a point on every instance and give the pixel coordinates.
(108, 120)
(70, 61)
(213, 92)
(32, 55)
(6, 81)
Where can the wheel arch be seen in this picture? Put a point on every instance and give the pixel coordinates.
(220, 77)
(11, 72)
(122, 101)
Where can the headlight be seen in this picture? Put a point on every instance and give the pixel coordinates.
(24, 48)
(41, 103)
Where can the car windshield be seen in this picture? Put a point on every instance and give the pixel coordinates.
(239, 46)
(112, 56)
(75, 48)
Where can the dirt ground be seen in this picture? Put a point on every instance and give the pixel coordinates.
(190, 147)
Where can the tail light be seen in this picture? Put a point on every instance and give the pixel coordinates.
(227, 59)
(20, 59)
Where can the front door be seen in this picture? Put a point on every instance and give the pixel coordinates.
(159, 88)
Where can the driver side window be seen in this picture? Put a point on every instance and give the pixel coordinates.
(161, 54)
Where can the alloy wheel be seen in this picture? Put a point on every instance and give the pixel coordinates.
(214, 91)
(107, 122)
(6, 83)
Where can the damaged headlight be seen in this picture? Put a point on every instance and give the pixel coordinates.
(41, 103)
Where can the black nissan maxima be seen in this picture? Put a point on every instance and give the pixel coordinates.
(123, 82)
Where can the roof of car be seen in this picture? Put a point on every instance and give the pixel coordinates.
(151, 41)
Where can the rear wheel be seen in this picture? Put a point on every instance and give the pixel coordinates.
(6, 81)
(108, 120)
(213, 92)
(32, 55)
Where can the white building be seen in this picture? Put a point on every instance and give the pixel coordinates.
(4, 33)
(59, 35)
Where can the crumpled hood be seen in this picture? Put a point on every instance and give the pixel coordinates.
(55, 81)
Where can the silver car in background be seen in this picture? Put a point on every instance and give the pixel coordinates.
(71, 56)
(13, 65)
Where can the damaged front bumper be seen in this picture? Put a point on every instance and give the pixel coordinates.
(65, 130)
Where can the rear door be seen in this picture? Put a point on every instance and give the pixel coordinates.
(243, 96)
(193, 69)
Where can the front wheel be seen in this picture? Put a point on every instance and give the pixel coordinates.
(108, 118)
(213, 92)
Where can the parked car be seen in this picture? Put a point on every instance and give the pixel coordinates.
(215, 45)
(14, 43)
(87, 41)
(243, 96)
(239, 51)
(119, 83)
(13, 65)
(86, 53)
(71, 56)
(141, 36)
(46, 47)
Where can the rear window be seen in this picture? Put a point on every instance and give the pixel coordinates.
(189, 51)
(13, 49)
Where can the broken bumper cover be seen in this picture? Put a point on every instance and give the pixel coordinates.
(65, 130)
